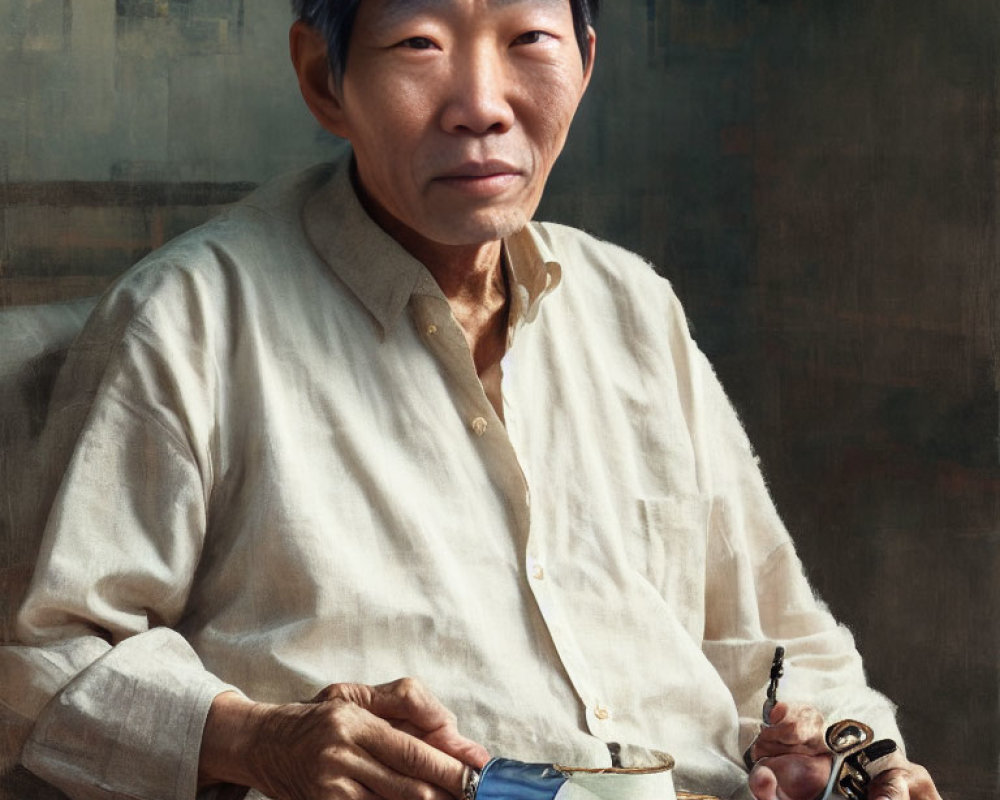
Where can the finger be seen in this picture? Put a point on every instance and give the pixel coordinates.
(357, 693)
(763, 783)
(348, 789)
(457, 746)
(802, 717)
(408, 699)
(889, 785)
(412, 757)
(407, 702)
(377, 779)
(795, 777)
(903, 783)
(778, 712)
(793, 729)
(449, 740)
(409, 706)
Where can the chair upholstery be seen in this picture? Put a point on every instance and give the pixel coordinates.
(33, 345)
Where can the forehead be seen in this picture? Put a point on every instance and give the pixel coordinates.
(388, 11)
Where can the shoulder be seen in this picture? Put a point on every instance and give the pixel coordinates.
(606, 278)
(245, 252)
(244, 238)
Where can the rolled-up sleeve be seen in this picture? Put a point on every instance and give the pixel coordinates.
(112, 699)
(129, 724)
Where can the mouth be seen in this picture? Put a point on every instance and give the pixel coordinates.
(480, 178)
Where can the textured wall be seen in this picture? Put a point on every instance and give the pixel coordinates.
(123, 123)
(819, 181)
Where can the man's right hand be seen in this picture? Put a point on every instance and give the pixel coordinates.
(351, 742)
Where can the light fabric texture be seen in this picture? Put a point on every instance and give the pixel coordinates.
(279, 470)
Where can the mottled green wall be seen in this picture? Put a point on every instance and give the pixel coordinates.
(818, 179)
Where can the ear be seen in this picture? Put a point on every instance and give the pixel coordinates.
(308, 51)
(591, 51)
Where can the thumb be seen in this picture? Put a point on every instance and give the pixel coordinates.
(778, 712)
(763, 783)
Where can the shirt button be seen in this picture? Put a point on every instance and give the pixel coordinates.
(432, 329)
(602, 713)
(538, 572)
(479, 426)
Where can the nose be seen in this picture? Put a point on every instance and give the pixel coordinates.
(478, 100)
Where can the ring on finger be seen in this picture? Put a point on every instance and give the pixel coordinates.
(470, 782)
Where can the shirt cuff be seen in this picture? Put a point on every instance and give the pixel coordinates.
(129, 725)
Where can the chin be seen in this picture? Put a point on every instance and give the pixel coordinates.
(480, 227)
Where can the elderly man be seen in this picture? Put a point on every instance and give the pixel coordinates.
(374, 423)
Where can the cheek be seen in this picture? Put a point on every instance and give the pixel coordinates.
(407, 107)
(553, 104)
(391, 115)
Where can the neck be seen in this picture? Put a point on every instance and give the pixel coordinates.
(467, 274)
(472, 279)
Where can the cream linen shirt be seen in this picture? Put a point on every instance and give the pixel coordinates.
(283, 472)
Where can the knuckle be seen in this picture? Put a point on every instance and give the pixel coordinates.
(340, 786)
(891, 784)
(425, 792)
(340, 724)
(335, 755)
(411, 694)
(322, 695)
(338, 693)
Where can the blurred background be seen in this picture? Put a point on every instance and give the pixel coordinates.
(819, 180)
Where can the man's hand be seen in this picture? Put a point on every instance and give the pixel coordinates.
(793, 762)
(351, 742)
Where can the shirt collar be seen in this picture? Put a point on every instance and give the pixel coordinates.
(532, 273)
(383, 276)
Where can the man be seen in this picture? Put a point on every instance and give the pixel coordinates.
(372, 423)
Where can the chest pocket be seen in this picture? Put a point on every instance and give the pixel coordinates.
(668, 550)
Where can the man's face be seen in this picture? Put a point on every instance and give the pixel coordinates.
(457, 110)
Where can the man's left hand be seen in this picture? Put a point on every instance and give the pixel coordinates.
(792, 762)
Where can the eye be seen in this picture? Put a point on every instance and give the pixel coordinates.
(533, 37)
(417, 43)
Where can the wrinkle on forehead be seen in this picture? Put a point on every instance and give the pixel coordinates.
(392, 11)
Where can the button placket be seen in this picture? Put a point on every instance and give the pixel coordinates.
(547, 598)
(447, 342)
